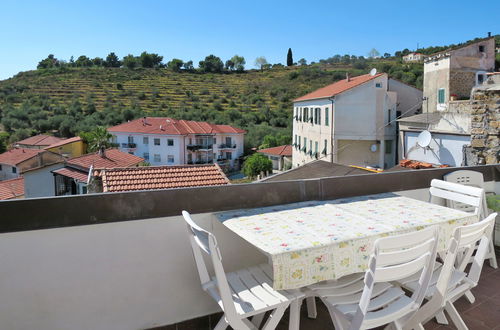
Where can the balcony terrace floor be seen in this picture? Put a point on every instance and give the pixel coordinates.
(484, 314)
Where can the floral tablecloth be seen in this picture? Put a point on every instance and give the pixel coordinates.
(309, 242)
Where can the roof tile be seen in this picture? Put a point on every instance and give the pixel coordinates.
(160, 177)
(169, 126)
(40, 140)
(12, 188)
(338, 87)
(112, 158)
(15, 156)
(285, 150)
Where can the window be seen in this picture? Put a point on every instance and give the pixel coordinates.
(300, 114)
(324, 149)
(130, 139)
(480, 79)
(294, 143)
(316, 147)
(481, 48)
(145, 156)
(190, 158)
(157, 142)
(306, 115)
(327, 119)
(14, 169)
(157, 158)
(388, 146)
(310, 146)
(228, 141)
(388, 116)
(170, 159)
(229, 155)
(170, 142)
(215, 140)
(378, 85)
(441, 96)
(0, 167)
(145, 140)
(305, 144)
(299, 141)
(317, 116)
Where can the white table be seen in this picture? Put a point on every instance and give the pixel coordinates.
(309, 242)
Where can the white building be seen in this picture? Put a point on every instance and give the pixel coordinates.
(413, 57)
(352, 121)
(166, 141)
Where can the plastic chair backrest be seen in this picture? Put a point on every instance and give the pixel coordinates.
(397, 257)
(465, 198)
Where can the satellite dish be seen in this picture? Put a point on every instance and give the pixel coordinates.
(373, 72)
(424, 139)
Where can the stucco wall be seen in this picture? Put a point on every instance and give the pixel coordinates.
(40, 182)
(444, 148)
(436, 76)
(409, 99)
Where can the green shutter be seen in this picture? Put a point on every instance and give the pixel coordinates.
(441, 96)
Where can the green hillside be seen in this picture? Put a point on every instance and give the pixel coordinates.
(67, 100)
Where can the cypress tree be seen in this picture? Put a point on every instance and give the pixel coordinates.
(289, 57)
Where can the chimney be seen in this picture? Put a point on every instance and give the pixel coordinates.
(102, 151)
(161, 128)
(347, 76)
(144, 121)
(489, 34)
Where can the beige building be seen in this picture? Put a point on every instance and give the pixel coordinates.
(413, 57)
(352, 121)
(451, 74)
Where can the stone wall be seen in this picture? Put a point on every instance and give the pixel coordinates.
(485, 128)
(461, 83)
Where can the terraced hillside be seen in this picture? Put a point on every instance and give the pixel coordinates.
(67, 101)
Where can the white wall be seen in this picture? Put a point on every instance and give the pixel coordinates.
(6, 172)
(39, 183)
(445, 148)
(124, 276)
(409, 99)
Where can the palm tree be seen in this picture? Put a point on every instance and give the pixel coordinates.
(97, 139)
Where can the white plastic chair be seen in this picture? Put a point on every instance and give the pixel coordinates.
(371, 300)
(449, 283)
(242, 294)
(474, 179)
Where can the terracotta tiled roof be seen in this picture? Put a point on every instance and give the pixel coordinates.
(64, 142)
(18, 155)
(112, 158)
(72, 173)
(164, 125)
(160, 177)
(12, 188)
(40, 140)
(285, 150)
(338, 87)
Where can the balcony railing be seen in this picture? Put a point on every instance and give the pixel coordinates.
(129, 145)
(227, 146)
(195, 147)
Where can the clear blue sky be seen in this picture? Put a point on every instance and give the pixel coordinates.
(190, 30)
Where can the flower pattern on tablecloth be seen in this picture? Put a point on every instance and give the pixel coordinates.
(313, 241)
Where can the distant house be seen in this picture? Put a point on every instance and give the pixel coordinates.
(352, 121)
(413, 57)
(16, 160)
(281, 156)
(157, 177)
(451, 77)
(38, 141)
(72, 147)
(12, 189)
(451, 74)
(72, 178)
(167, 141)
